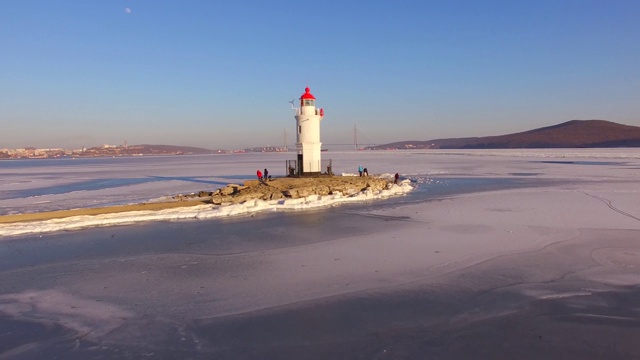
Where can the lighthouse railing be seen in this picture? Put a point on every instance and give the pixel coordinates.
(326, 167)
(292, 168)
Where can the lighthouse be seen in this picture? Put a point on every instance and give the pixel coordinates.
(308, 143)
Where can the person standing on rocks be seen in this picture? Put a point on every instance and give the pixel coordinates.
(266, 174)
(259, 173)
(396, 177)
(360, 170)
(365, 172)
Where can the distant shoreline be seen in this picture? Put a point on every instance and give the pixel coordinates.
(126, 151)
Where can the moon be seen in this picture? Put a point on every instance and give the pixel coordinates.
(127, 10)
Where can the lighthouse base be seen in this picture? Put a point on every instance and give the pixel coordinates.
(294, 168)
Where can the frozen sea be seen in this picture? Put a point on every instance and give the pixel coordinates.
(57, 184)
(522, 254)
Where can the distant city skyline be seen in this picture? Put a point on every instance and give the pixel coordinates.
(215, 74)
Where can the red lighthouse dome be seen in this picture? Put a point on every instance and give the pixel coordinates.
(307, 94)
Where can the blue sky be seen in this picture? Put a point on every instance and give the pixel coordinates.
(219, 74)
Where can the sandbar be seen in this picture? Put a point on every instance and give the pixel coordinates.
(48, 215)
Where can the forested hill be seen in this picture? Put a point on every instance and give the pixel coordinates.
(570, 134)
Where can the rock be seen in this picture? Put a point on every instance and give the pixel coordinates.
(280, 188)
(228, 190)
(240, 198)
(276, 196)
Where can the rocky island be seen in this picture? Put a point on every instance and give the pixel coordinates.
(289, 188)
(274, 189)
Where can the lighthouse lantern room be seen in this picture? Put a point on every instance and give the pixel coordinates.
(308, 143)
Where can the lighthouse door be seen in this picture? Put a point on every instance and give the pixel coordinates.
(300, 171)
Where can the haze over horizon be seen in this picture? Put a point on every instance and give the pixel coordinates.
(220, 74)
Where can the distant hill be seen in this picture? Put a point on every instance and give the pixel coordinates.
(170, 149)
(106, 150)
(570, 134)
(145, 149)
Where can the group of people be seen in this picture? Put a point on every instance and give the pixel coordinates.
(263, 177)
(363, 171)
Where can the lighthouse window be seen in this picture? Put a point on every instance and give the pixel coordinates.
(299, 129)
(309, 103)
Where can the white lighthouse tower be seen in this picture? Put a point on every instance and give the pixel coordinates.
(308, 134)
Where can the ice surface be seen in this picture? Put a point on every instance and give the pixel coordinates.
(517, 270)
